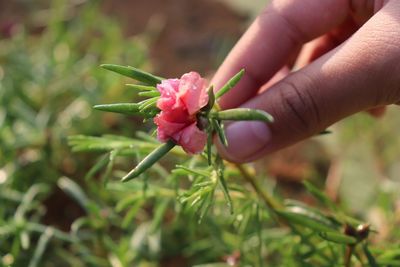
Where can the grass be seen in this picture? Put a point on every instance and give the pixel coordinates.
(60, 208)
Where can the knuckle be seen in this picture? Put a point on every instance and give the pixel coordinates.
(299, 106)
(295, 35)
(381, 61)
(364, 7)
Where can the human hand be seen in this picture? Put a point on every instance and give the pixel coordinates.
(352, 65)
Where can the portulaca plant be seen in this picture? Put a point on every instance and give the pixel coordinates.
(186, 113)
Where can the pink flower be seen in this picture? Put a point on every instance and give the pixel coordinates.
(180, 101)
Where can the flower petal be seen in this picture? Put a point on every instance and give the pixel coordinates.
(180, 101)
(192, 139)
(168, 89)
(192, 92)
(166, 129)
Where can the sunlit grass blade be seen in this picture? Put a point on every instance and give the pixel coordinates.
(242, 114)
(106, 143)
(205, 205)
(194, 171)
(319, 195)
(158, 216)
(130, 215)
(100, 164)
(142, 88)
(41, 247)
(123, 108)
(297, 205)
(25, 240)
(111, 160)
(39, 228)
(308, 219)
(127, 202)
(134, 73)
(7, 230)
(75, 191)
(28, 201)
(146, 137)
(148, 161)
(230, 84)
(392, 262)
(338, 238)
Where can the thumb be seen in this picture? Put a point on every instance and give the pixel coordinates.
(361, 73)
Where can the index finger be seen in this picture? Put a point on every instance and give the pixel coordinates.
(280, 29)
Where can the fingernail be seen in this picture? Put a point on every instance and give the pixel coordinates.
(246, 138)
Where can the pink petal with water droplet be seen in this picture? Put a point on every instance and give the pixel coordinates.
(192, 139)
(192, 92)
(169, 90)
(166, 129)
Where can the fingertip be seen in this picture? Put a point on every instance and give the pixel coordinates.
(224, 153)
(245, 141)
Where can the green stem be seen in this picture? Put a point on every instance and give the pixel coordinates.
(148, 161)
(268, 200)
(348, 254)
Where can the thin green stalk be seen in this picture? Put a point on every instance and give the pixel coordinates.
(230, 84)
(148, 161)
(268, 200)
(348, 254)
(41, 246)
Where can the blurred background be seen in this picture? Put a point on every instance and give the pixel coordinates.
(50, 52)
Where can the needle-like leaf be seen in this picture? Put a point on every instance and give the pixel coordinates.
(371, 259)
(139, 87)
(124, 108)
(230, 84)
(242, 114)
(308, 219)
(148, 103)
(209, 144)
(220, 131)
(149, 93)
(149, 160)
(211, 99)
(338, 238)
(224, 186)
(134, 73)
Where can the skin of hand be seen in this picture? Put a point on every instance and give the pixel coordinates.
(346, 57)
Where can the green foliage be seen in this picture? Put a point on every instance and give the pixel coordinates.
(230, 84)
(149, 160)
(134, 73)
(210, 115)
(242, 114)
(59, 208)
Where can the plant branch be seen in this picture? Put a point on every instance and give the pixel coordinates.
(348, 254)
(268, 200)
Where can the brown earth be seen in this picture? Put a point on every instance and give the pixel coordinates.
(186, 34)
